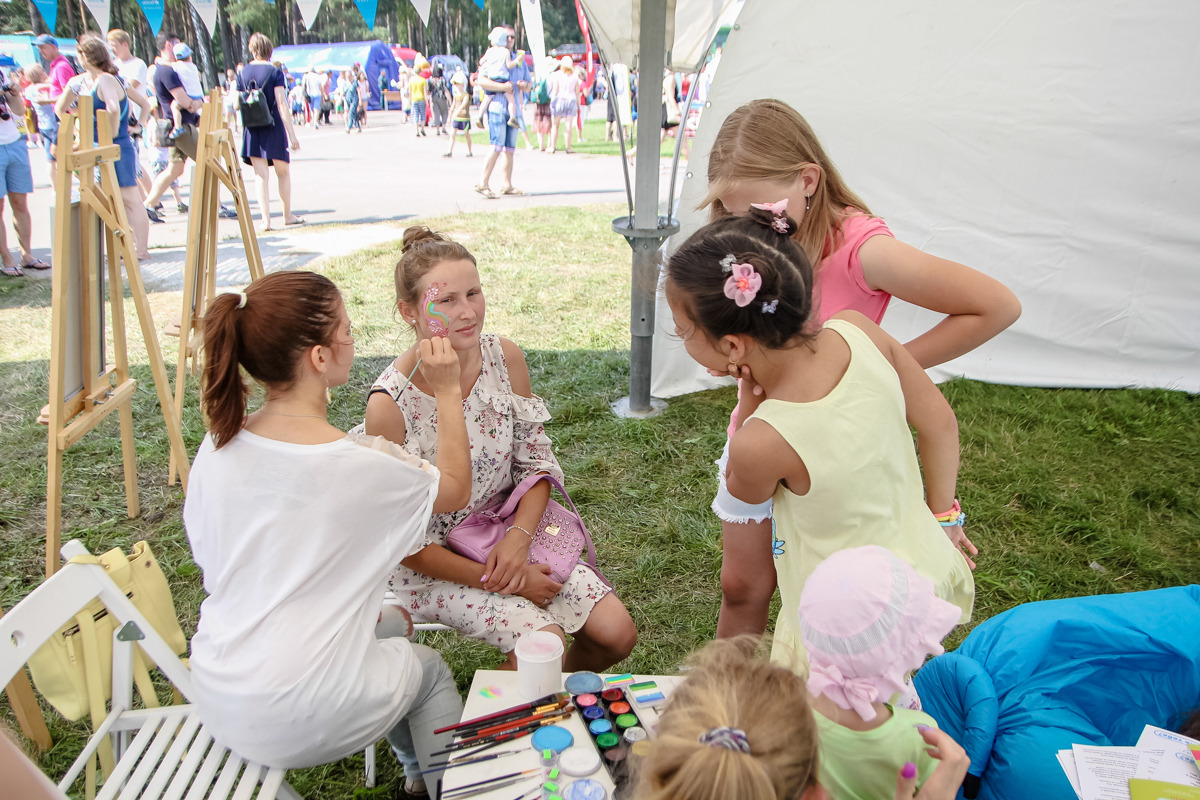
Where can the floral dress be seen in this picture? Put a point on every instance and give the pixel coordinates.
(508, 443)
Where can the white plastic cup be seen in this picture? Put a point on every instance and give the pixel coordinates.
(539, 665)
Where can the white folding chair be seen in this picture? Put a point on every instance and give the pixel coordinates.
(162, 753)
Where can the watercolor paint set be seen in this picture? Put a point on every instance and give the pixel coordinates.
(612, 721)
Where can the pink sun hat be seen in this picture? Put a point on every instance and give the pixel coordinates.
(867, 619)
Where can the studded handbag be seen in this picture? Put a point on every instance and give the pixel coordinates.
(559, 540)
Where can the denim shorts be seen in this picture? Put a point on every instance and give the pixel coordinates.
(502, 135)
(15, 174)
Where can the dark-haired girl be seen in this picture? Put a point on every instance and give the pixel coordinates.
(827, 439)
(296, 524)
(440, 296)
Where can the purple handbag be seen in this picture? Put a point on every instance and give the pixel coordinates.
(559, 540)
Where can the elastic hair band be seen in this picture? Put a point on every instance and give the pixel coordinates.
(726, 738)
(242, 299)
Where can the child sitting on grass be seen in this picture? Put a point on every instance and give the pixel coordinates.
(740, 728)
(867, 620)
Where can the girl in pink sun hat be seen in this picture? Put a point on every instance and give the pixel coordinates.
(868, 620)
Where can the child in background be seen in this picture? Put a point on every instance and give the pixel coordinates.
(296, 101)
(189, 76)
(868, 620)
(828, 438)
(740, 728)
(764, 153)
(460, 112)
(493, 73)
(38, 93)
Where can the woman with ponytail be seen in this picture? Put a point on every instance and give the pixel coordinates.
(295, 525)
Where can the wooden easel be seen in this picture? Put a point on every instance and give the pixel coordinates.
(217, 165)
(106, 388)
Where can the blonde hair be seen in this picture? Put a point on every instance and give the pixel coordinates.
(118, 35)
(769, 140)
(421, 250)
(260, 47)
(731, 684)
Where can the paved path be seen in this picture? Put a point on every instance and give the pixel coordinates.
(385, 174)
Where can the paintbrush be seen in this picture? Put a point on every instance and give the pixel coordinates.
(524, 713)
(546, 720)
(462, 762)
(522, 708)
(494, 739)
(487, 785)
(516, 723)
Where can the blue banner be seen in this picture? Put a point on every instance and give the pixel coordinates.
(153, 9)
(49, 11)
(479, 3)
(368, 8)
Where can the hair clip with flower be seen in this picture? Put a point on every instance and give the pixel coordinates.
(769, 308)
(727, 263)
(743, 284)
(778, 211)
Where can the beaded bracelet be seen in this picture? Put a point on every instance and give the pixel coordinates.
(519, 528)
(955, 516)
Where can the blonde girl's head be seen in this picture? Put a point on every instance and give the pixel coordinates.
(738, 728)
(766, 151)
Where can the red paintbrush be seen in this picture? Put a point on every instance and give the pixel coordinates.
(524, 707)
(516, 723)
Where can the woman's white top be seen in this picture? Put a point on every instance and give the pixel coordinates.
(296, 543)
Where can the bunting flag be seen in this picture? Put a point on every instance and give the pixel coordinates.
(422, 7)
(49, 11)
(207, 9)
(308, 11)
(531, 13)
(99, 9)
(587, 42)
(153, 9)
(368, 9)
(479, 3)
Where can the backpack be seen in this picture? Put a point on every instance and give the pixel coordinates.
(254, 110)
(541, 93)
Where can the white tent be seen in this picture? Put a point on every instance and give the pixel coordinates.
(1052, 144)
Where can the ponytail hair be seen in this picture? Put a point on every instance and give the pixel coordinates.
(783, 306)
(731, 685)
(264, 329)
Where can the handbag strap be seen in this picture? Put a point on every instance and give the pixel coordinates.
(514, 497)
(95, 697)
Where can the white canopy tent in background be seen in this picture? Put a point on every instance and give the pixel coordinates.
(1052, 144)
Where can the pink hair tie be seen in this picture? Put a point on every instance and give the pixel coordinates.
(777, 210)
(743, 284)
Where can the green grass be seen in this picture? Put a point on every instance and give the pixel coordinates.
(594, 144)
(1053, 481)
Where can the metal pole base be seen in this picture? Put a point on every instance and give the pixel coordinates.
(622, 409)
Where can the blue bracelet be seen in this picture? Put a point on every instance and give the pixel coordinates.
(961, 519)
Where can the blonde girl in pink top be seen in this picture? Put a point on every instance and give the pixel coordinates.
(766, 154)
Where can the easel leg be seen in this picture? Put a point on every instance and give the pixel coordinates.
(129, 460)
(54, 470)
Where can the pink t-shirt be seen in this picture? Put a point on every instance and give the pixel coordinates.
(840, 284)
(61, 73)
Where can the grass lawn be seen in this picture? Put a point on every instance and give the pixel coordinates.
(593, 134)
(1067, 492)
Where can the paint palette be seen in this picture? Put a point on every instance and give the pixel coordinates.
(614, 727)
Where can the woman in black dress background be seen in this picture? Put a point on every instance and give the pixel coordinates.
(267, 146)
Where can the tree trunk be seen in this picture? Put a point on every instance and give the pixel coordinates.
(72, 30)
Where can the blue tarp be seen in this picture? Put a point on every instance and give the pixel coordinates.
(374, 57)
(22, 50)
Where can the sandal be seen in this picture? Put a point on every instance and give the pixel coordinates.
(512, 191)
(12, 271)
(37, 263)
(485, 191)
(296, 222)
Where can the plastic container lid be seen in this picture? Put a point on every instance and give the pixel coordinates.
(607, 740)
(585, 790)
(619, 707)
(610, 695)
(584, 682)
(539, 647)
(626, 721)
(592, 712)
(553, 738)
(579, 761)
(599, 726)
(635, 735)
(585, 700)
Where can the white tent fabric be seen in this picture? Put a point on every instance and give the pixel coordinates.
(1052, 144)
(691, 25)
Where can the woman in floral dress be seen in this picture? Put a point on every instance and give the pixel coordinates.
(439, 294)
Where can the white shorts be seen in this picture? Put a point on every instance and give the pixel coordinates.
(728, 507)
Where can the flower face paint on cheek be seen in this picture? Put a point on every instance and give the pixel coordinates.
(437, 322)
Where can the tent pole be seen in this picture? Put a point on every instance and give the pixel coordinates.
(646, 231)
